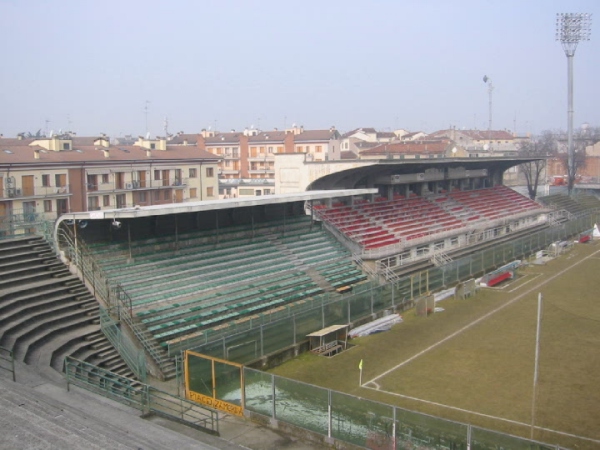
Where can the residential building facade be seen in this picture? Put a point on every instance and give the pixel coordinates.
(62, 174)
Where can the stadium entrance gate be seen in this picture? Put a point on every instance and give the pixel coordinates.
(214, 382)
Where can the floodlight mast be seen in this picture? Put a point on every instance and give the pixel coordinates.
(488, 81)
(570, 29)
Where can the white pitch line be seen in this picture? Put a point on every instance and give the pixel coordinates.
(502, 419)
(482, 318)
(537, 275)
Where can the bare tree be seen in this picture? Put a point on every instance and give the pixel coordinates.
(581, 140)
(539, 148)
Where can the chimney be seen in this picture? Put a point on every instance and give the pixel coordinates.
(36, 154)
(185, 142)
(148, 153)
(20, 136)
(106, 153)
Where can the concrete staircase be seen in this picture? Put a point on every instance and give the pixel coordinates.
(46, 313)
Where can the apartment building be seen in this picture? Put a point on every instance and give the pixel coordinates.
(52, 176)
(247, 165)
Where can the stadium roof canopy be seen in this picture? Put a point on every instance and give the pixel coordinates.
(369, 169)
(211, 205)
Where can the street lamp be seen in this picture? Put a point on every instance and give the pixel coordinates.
(570, 29)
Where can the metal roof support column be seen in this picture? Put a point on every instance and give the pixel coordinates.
(252, 218)
(217, 223)
(129, 240)
(284, 213)
(176, 233)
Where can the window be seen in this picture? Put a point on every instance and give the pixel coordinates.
(105, 178)
(157, 174)
(156, 195)
(270, 149)
(300, 149)
(193, 173)
(93, 204)
(60, 180)
(279, 149)
(166, 195)
(66, 146)
(142, 197)
(210, 172)
(106, 200)
(47, 205)
(318, 149)
(193, 192)
(267, 191)
(152, 146)
(45, 180)
(210, 191)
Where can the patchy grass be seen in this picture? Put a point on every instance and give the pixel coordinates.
(483, 373)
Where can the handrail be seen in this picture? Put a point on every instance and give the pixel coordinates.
(141, 396)
(114, 296)
(134, 358)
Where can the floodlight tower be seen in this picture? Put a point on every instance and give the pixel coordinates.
(488, 81)
(570, 29)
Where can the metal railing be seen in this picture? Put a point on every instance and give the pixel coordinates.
(34, 191)
(113, 295)
(133, 357)
(7, 361)
(141, 396)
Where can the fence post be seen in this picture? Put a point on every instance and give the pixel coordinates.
(468, 437)
(329, 418)
(273, 395)
(262, 343)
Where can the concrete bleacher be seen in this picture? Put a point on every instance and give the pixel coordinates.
(579, 204)
(179, 288)
(386, 222)
(46, 313)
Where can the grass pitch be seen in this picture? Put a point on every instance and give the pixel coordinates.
(474, 362)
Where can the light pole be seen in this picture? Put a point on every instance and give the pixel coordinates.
(570, 29)
(488, 81)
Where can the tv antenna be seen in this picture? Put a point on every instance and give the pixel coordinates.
(146, 114)
(166, 127)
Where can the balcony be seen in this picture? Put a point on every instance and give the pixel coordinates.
(138, 185)
(34, 191)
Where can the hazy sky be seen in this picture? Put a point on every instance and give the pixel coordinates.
(90, 66)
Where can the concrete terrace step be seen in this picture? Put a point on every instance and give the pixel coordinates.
(33, 287)
(41, 313)
(44, 353)
(8, 304)
(13, 311)
(19, 338)
(27, 261)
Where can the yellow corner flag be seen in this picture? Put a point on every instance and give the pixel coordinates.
(360, 365)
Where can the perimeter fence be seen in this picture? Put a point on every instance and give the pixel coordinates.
(267, 334)
(363, 422)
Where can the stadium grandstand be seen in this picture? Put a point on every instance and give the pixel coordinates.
(178, 272)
